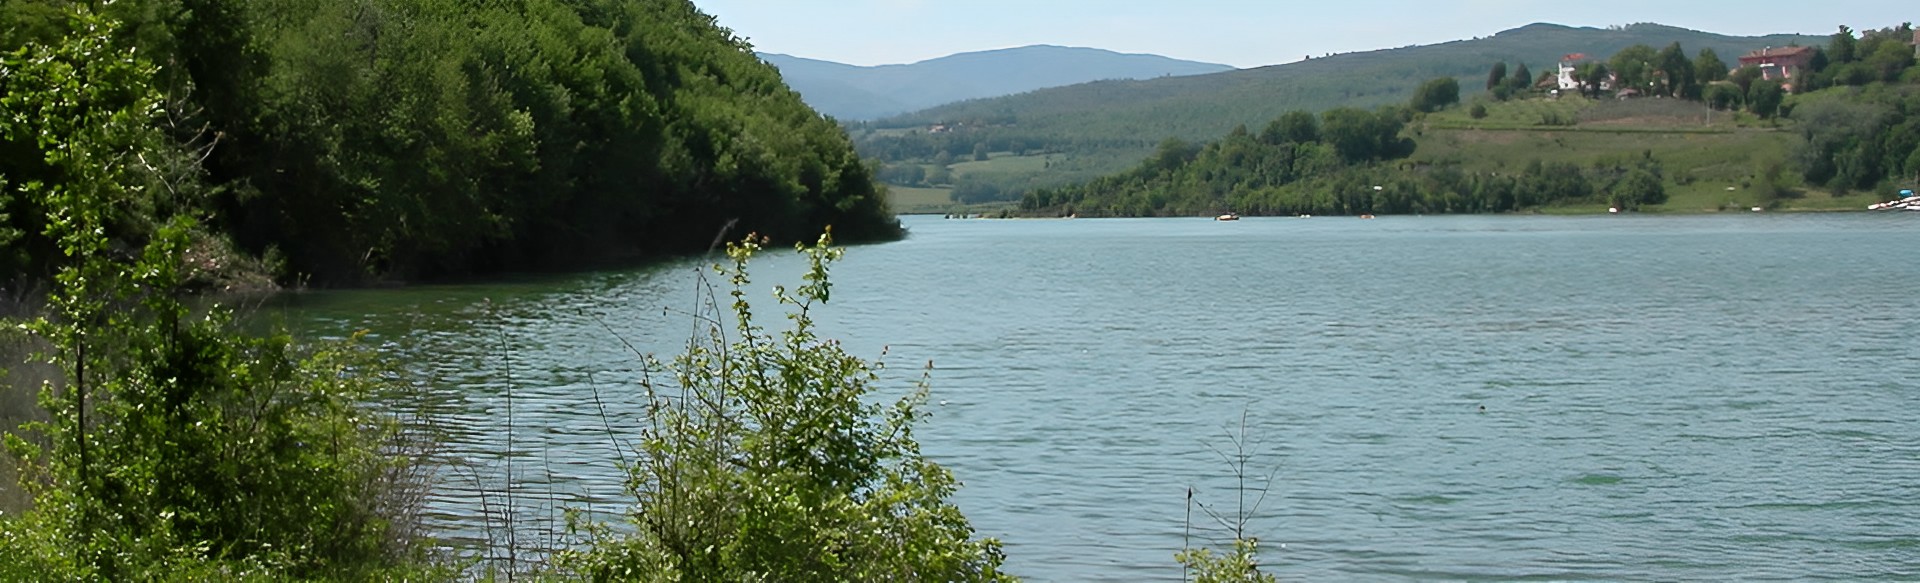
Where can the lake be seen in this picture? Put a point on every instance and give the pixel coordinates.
(1470, 398)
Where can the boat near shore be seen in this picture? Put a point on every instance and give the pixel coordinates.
(1228, 217)
(1907, 202)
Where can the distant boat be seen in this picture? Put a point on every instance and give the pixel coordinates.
(1366, 216)
(1227, 217)
(1907, 201)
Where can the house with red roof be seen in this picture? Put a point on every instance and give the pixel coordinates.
(1779, 63)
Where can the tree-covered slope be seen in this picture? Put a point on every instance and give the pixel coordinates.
(1132, 116)
(851, 92)
(419, 138)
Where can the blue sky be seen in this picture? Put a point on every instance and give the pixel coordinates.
(1242, 33)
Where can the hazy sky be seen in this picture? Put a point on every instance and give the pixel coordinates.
(1242, 33)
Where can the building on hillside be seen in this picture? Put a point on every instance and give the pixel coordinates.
(1916, 43)
(1779, 64)
(1569, 79)
(1569, 64)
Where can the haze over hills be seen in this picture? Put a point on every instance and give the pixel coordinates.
(855, 93)
(1106, 126)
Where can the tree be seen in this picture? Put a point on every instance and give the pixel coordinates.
(1765, 98)
(1497, 76)
(1436, 94)
(1724, 96)
(1677, 73)
(1843, 47)
(1297, 127)
(1744, 78)
(1595, 77)
(1889, 60)
(1359, 135)
(1521, 80)
(1633, 68)
(1639, 187)
(980, 152)
(1707, 67)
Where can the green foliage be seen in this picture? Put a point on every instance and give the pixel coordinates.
(1497, 76)
(1436, 94)
(175, 445)
(1724, 96)
(1522, 80)
(415, 138)
(1479, 111)
(1765, 98)
(1634, 67)
(766, 459)
(1638, 188)
(1108, 126)
(1297, 127)
(1708, 68)
(1240, 566)
(1856, 139)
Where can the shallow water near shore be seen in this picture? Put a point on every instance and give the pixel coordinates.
(1470, 398)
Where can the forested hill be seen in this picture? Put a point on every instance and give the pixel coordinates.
(420, 138)
(850, 92)
(1094, 121)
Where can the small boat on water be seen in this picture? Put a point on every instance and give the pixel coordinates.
(1366, 216)
(1227, 217)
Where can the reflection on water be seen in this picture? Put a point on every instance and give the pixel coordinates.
(1664, 397)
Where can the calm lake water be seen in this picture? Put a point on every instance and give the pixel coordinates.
(1665, 398)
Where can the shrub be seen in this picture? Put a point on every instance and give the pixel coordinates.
(765, 459)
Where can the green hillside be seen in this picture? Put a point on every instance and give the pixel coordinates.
(1104, 127)
(407, 139)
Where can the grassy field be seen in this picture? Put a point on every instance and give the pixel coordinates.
(911, 200)
(1003, 163)
(1713, 161)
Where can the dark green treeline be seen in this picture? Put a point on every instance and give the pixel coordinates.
(358, 139)
(1346, 161)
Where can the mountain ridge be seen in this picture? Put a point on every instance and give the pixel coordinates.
(857, 92)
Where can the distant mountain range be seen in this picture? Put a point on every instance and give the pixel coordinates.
(856, 93)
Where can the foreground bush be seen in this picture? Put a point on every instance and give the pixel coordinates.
(176, 447)
(766, 459)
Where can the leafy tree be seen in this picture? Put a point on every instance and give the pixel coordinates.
(1634, 67)
(1744, 78)
(1297, 127)
(1724, 96)
(1594, 77)
(1360, 135)
(1479, 111)
(1842, 46)
(1436, 94)
(1677, 73)
(1765, 98)
(1638, 188)
(980, 152)
(1708, 68)
(1521, 80)
(1497, 76)
(1889, 60)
